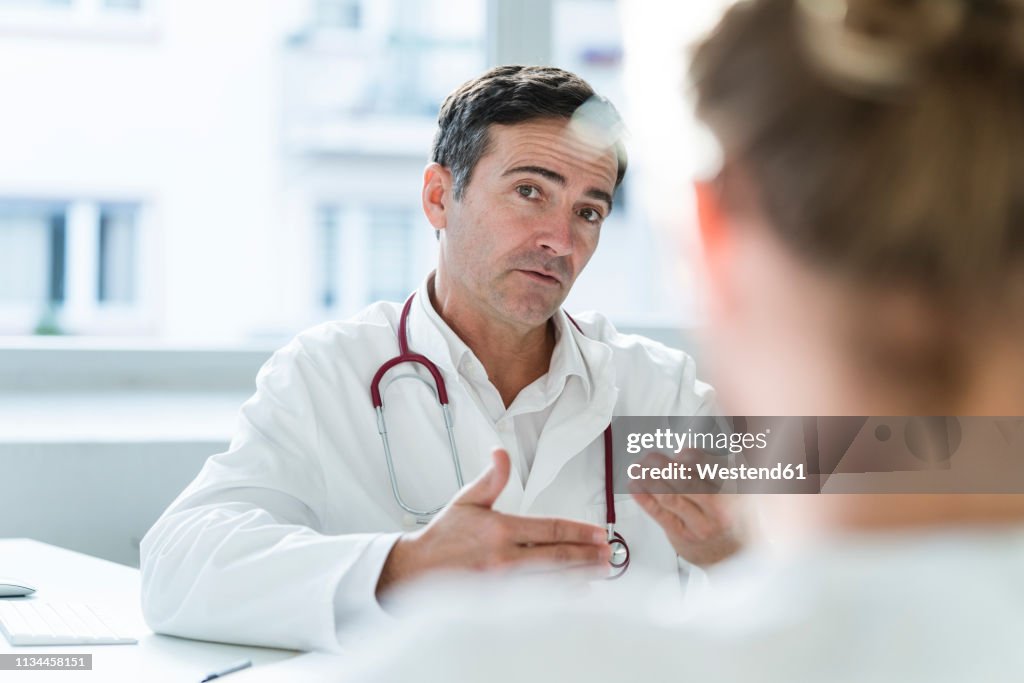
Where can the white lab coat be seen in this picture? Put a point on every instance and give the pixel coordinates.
(280, 540)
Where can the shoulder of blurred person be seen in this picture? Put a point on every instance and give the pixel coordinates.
(941, 606)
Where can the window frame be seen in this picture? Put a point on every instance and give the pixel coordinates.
(80, 311)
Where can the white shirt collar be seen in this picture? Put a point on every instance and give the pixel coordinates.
(431, 336)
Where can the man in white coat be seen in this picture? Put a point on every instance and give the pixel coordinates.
(297, 529)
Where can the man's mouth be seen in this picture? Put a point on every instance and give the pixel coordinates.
(541, 277)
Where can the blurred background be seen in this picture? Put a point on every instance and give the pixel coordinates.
(186, 184)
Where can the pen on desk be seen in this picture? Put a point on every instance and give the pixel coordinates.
(237, 666)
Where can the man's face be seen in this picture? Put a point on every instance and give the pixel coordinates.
(529, 220)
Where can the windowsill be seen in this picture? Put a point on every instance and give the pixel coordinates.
(118, 391)
(96, 365)
(46, 417)
(71, 342)
(125, 391)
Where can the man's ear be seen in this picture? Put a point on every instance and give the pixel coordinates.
(437, 194)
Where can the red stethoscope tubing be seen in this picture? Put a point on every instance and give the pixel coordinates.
(620, 550)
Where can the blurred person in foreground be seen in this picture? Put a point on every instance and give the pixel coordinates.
(864, 242)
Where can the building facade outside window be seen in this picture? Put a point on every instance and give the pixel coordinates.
(241, 186)
(64, 265)
(369, 253)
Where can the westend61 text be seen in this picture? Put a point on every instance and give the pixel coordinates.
(716, 472)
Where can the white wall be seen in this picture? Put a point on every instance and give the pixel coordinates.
(96, 498)
(96, 440)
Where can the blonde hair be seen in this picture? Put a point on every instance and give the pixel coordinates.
(882, 140)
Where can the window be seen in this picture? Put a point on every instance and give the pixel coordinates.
(338, 14)
(32, 253)
(369, 253)
(388, 58)
(116, 268)
(62, 263)
(123, 5)
(330, 261)
(391, 243)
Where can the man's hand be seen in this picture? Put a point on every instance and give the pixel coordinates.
(469, 535)
(701, 525)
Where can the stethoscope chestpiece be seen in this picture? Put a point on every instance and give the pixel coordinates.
(619, 560)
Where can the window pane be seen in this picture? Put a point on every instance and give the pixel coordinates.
(125, 5)
(402, 59)
(117, 254)
(338, 13)
(31, 254)
(430, 51)
(58, 256)
(391, 233)
(328, 229)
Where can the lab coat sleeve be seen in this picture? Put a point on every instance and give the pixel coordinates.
(240, 556)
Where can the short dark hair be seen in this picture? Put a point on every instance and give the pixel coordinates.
(507, 95)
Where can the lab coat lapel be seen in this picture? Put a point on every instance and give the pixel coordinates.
(475, 435)
(574, 423)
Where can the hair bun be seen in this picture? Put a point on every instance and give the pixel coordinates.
(881, 45)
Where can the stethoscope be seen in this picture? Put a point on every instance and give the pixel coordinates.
(620, 551)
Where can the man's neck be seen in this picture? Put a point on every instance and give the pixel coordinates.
(514, 357)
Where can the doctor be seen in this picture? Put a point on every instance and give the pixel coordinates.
(297, 528)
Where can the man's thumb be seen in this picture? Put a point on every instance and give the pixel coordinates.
(489, 485)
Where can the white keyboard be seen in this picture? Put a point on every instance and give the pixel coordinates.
(32, 622)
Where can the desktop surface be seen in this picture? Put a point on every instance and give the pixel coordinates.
(61, 575)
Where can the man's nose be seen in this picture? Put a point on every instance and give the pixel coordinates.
(556, 236)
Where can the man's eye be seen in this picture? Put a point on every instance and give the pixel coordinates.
(591, 215)
(528, 191)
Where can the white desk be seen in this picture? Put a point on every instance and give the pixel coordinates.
(61, 575)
